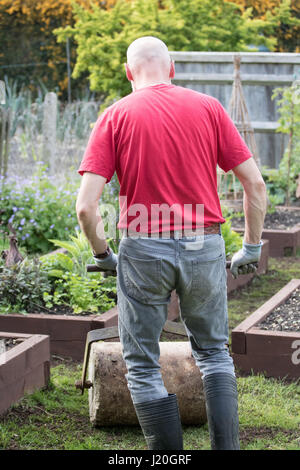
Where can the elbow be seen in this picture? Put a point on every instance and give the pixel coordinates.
(261, 186)
(257, 191)
(258, 186)
(84, 211)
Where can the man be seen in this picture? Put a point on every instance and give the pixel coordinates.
(165, 142)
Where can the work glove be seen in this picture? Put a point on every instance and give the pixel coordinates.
(109, 263)
(246, 260)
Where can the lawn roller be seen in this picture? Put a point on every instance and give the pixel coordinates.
(104, 369)
(104, 372)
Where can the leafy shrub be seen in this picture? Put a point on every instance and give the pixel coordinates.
(96, 294)
(102, 36)
(285, 179)
(79, 255)
(22, 286)
(39, 210)
(73, 286)
(233, 240)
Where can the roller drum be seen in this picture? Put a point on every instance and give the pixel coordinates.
(109, 398)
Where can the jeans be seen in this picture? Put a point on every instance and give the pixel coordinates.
(148, 271)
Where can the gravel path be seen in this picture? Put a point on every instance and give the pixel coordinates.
(286, 317)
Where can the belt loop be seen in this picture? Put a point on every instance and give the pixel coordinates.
(176, 234)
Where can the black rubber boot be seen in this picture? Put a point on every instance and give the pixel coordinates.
(160, 423)
(221, 398)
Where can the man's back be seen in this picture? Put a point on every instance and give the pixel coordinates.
(165, 142)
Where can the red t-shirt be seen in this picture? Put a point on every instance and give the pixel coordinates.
(165, 142)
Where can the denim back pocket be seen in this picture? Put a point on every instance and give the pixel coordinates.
(142, 278)
(208, 277)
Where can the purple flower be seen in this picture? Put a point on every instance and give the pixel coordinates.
(22, 222)
(31, 221)
(51, 226)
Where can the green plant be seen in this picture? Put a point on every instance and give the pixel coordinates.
(22, 286)
(73, 286)
(95, 294)
(38, 209)
(233, 240)
(288, 100)
(79, 254)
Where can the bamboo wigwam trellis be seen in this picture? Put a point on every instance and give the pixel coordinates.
(239, 114)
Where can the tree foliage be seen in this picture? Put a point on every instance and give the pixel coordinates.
(29, 51)
(286, 20)
(102, 36)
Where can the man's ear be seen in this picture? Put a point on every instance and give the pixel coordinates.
(172, 69)
(128, 73)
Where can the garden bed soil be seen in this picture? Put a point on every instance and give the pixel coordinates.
(281, 219)
(8, 343)
(281, 228)
(24, 366)
(268, 341)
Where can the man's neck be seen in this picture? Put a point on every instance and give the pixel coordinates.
(144, 84)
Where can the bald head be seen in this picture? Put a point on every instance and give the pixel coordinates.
(148, 57)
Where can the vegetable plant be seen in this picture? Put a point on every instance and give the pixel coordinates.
(73, 286)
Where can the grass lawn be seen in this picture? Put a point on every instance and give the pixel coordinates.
(58, 418)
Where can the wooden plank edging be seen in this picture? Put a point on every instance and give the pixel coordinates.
(264, 310)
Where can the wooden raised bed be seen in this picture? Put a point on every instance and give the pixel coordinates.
(23, 368)
(67, 332)
(274, 353)
(282, 242)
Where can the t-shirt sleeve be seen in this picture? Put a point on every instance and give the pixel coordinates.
(99, 156)
(232, 150)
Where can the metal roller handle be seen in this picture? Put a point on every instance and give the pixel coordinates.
(93, 268)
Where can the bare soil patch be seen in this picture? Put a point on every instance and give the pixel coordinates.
(281, 219)
(249, 434)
